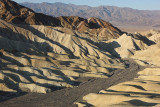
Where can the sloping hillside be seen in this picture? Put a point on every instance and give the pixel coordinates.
(39, 58)
(115, 15)
(17, 14)
(138, 92)
(68, 58)
(126, 45)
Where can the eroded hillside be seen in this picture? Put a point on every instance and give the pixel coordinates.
(36, 58)
(70, 58)
(17, 14)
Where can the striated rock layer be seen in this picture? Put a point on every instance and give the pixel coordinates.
(126, 45)
(40, 53)
(153, 35)
(144, 89)
(17, 14)
(150, 56)
(40, 58)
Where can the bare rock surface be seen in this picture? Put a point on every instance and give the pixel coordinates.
(69, 96)
(39, 58)
(153, 35)
(18, 14)
(59, 61)
(138, 92)
(150, 56)
(126, 45)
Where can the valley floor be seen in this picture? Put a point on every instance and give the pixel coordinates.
(133, 29)
(68, 96)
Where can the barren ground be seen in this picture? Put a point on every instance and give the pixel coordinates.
(66, 97)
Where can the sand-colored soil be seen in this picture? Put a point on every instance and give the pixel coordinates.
(142, 91)
(39, 58)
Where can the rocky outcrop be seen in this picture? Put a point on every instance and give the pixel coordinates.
(127, 44)
(150, 56)
(153, 35)
(38, 58)
(17, 14)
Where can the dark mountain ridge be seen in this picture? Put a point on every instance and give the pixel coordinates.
(17, 14)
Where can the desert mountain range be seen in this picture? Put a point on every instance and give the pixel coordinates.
(12, 12)
(115, 15)
(70, 61)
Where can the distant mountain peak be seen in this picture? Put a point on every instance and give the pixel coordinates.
(116, 15)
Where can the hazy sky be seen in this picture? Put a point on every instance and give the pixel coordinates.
(136, 4)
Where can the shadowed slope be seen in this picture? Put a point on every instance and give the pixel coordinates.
(17, 14)
(126, 45)
(40, 58)
(139, 92)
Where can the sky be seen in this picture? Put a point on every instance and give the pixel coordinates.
(135, 4)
